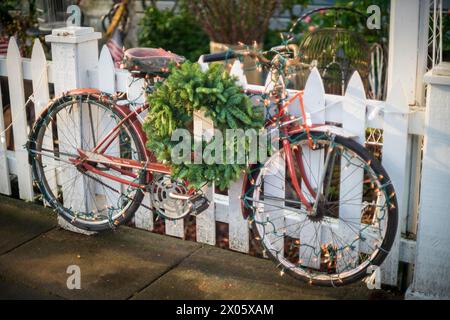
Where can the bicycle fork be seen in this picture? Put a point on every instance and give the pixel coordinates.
(322, 176)
(316, 194)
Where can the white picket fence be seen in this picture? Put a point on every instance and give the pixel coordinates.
(352, 110)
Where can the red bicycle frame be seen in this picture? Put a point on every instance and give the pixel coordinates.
(87, 158)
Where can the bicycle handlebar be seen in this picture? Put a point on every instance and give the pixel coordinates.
(261, 56)
(221, 56)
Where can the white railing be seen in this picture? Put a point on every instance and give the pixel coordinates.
(352, 110)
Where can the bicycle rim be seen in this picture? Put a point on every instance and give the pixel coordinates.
(84, 198)
(356, 216)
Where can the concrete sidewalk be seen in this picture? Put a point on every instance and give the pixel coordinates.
(134, 264)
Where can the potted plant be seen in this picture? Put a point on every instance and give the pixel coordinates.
(230, 23)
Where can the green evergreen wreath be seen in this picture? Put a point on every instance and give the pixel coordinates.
(172, 104)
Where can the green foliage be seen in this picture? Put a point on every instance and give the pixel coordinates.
(214, 92)
(5, 17)
(342, 19)
(352, 21)
(177, 32)
(289, 4)
(19, 22)
(446, 32)
(272, 37)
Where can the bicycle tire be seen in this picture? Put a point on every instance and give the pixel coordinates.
(391, 228)
(35, 145)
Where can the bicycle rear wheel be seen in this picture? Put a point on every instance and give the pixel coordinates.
(355, 221)
(86, 199)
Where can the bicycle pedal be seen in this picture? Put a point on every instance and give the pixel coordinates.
(199, 203)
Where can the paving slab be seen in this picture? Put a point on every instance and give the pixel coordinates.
(131, 263)
(17, 291)
(21, 222)
(213, 273)
(113, 265)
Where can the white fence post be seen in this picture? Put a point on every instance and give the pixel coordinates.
(403, 46)
(405, 41)
(19, 118)
(74, 52)
(432, 274)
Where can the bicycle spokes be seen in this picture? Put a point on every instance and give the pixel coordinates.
(343, 222)
(89, 190)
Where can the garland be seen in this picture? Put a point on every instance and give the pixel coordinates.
(215, 92)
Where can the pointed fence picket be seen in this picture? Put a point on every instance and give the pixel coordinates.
(238, 226)
(41, 99)
(5, 183)
(351, 185)
(106, 83)
(205, 222)
(314, 102)
(352, 110)
(19, 116)
(18, 69)
(105, 79)
(396, 155)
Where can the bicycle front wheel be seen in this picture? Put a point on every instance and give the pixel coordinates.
(86, 198)
(348, 222)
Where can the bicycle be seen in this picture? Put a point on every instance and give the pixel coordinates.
(322, 206)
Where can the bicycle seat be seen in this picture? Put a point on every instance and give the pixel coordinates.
(150, 60)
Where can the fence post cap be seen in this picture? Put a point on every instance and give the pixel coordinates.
(440, 74)
(73, 34)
